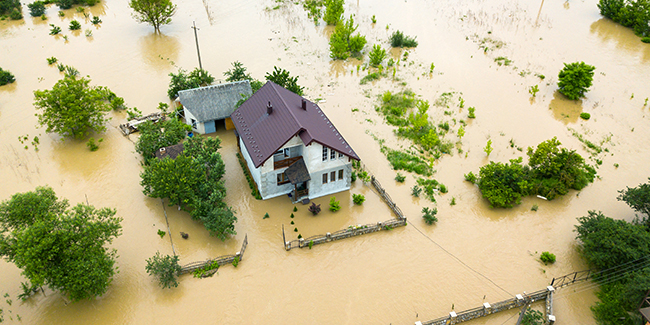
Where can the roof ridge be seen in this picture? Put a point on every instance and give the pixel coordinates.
(285, 103)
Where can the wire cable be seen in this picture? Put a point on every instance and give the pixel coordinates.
(460, 261)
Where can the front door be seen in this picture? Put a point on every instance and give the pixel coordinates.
(210, 127)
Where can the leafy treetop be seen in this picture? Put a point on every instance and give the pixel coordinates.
(575, 79)
(282, 78)
(638, 198)
(153, 12)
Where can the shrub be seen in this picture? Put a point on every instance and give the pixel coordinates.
(416, 190)
(55, 30)
(6, 77)
(235, 261)
(333, 11)
(295, 208)
(453, 201)
(161, 233)
(358, 199)
(585, 116)
(7, 6)
(471, 177)
(547, 258)
(92, 145)
(311, 243)
(429, 215)
(293, 223)
(533, 90)
(645, 39)
(75, 25)
(96, 20)
(443, 188)
(377, 55)
(16, 14)
(488, 147)
(342, 43)
(334, 204)
(503, 184)
(237, 73)
(400, 178)
(575, 79)
(398, 39)
(292, 216)
(295, 229)
(471, 112)
(532, 317)
(266, 216)
(51, 60)
(182, 81)
(314, 208)
(535, 207)
(36, 8)
(165, 269)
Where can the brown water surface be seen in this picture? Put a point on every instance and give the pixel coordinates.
(398, 276)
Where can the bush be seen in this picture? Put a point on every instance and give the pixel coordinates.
(471, 112)
(55, 30)
(471, 177)
(416, 190)
(266, 216)
(400, 178)
(92, 145)
(96, 20)
(398, 39)
(295, 208)
(6, 77)
(182, 81)
(7, 6)
(377, 55)
(575, 79)
(36, 8)
(16, 14)
(75, 25)
(314, 208)
(645, 39)
(334, 204)
(503, 184)
(165, 269)
(51, 60)
(585, 116)
(547, 258)
(342, 43)
(237, 73)
(430, 215)
(161, 233)
(333, 11)
(235, 261)
(358, 199)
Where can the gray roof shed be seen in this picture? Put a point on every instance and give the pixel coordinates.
(215, 102)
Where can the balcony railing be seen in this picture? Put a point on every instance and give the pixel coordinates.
(285, 162)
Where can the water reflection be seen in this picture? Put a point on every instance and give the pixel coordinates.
(623, 38)
(159, 51)
(565, 110)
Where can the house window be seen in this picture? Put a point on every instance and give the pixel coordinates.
(324, 153)
(282, 178)
(340, 174)
(325, 178)
(193, 123)
(333, 154)
(340, 155)
(332, 176)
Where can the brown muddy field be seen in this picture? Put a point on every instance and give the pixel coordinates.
(395, 277)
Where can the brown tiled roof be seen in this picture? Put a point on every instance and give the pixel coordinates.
(263, 133)
(171, 151)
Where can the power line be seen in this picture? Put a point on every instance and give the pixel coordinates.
(460, 261)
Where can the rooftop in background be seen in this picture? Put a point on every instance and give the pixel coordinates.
(215, 102)
(264, 130)
(171, 151)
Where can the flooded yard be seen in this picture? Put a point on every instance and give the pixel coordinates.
(390, 277)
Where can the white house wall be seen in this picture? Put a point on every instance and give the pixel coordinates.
(200, 128)
(255, 172)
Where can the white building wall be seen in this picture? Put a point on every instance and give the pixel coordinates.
(255, 172)
(200, 128)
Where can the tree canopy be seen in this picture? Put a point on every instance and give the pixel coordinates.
(342, 43)
(282, 78)
(638, 198)
(165, 269)
(72, 108)
(183, 80)
(575, 79)
(153, 12)
(333, 11)
(503, 184)
(193, 180)
(58, 246)
(154, 136)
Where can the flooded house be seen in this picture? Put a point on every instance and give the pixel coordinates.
(204, 107)
(291, 147)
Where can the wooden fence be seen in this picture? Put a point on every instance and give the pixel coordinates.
(221, 260)
(488, 309)
(352, 231)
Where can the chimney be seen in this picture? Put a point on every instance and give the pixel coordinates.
(269, 108)
(304, 104)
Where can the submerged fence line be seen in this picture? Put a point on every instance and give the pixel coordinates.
(352, 231)
(221, 260)
(487, 309)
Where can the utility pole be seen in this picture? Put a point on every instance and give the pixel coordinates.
(197, 44)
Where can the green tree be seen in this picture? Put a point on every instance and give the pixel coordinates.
(532, 317)
(503, 185)
(342, 43)
(165, 269)
(575, 79)
(36, 8)
(174, 179)
(153, 12)
(638, 198)
(58, 246)
(154, 136)
(333, 11)
(7, 6)
(72, 108)
(237, 73)
(555, 170)
(183, 80)
(6, 77)
(377, 55)
(282, 78)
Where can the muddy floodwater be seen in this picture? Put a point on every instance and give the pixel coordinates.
(474, 254)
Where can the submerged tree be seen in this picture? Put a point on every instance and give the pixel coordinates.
(61, 247)
(183, 80)
(154, 136)
(72, 108)
(165, 269)
(638, 198)
(342, 43)
(153, 12)
(575, 79)
(282, 78)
